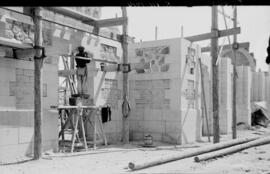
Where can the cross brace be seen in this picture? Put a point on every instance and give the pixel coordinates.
(219, 33)
(244, 45)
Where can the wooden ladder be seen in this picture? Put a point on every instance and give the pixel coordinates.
(69, 78)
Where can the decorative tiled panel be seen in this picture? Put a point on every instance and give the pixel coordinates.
(155, 57)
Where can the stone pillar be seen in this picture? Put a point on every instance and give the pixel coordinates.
(243, 93)
(225, 93)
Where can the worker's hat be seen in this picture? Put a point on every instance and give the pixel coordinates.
(80, 48)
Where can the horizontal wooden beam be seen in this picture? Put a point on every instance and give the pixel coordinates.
(244, 45)
(206, 36)
(232, 31)
(88, 58)
(107, 22)
(71, 13)
(14, 43)
(133, 66)
(199, 37)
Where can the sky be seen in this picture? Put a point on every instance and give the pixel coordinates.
(253, 20)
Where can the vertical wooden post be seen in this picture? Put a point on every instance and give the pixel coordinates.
(72, 61)
(204, 101)
(214, 54)
(38, 61)
(125, 130)
(234, 119)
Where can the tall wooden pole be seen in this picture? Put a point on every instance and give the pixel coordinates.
(214, 54)
(38, 61)
(125, 130)
(234, 119)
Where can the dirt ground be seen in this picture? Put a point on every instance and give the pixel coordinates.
(115, 159)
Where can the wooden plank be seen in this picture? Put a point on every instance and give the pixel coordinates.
(38, 81)
(71, 13)
(199, 37)
(228, 32)
(221, 33)
(215, 91)
(110, 68)
(76, 107)
(13, 43)
(233, 149)
(88, 58)
(107, 22)
(244, 45)
(186, 154)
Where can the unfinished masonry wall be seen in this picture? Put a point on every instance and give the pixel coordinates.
(105, 88)
(158, 106)
(17, 83)
(17, 104)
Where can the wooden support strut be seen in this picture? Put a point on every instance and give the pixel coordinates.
(214, 54)
(38, 64)
(125, 105)
(244, 45)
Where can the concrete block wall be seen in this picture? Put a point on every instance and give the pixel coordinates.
(225, 93)
(105, 88)
(243, 94)
(206, 67)
(158, 106)
(16, 108)
(260, 86)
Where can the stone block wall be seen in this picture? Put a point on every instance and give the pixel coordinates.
(16, 108)
(243, 94)
(158, 106)
(225, 93)
(105, 88)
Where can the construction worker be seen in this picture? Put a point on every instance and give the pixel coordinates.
(82, 70)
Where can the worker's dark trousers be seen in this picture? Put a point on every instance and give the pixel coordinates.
(81, 80)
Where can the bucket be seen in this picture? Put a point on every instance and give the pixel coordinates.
(148, 140)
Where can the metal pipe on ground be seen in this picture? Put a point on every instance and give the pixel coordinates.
(190, 153)
(233, 149)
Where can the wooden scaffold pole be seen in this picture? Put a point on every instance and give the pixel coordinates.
(234, 119)
(214, 54)
(38, 64)
(125, 105)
